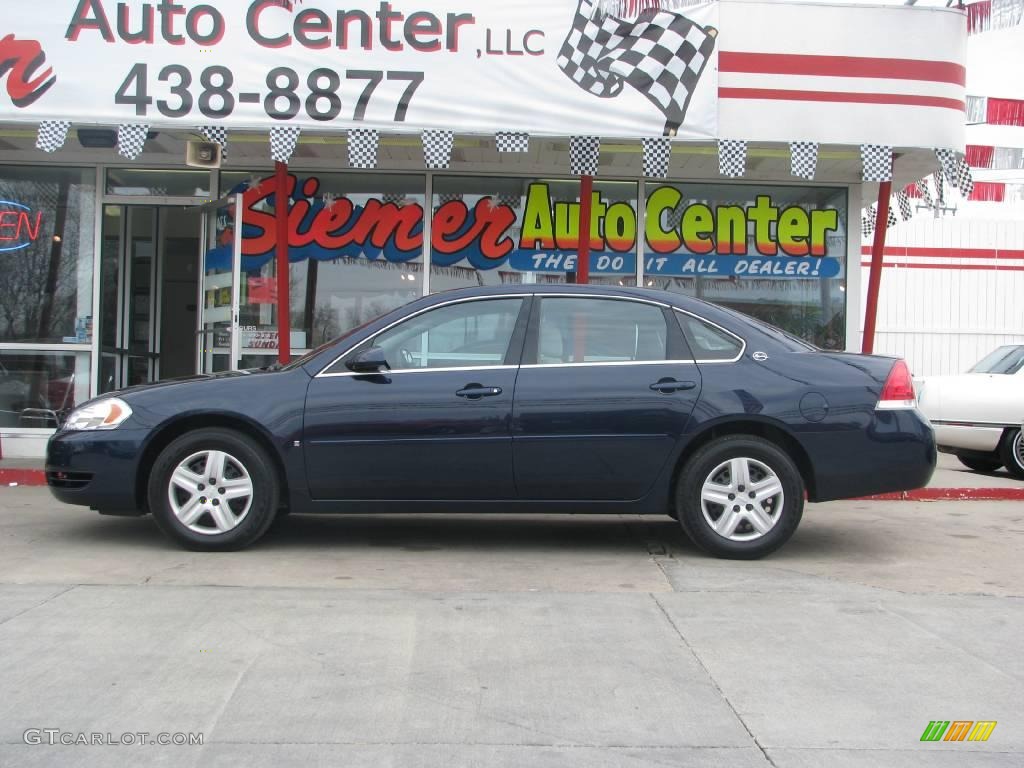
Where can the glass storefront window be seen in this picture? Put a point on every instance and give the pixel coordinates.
(158, 182)
(776, 253)
(356, 252)
(47, 225)
(37, 389)
(491, 231)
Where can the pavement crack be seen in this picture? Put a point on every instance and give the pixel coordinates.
(711, 677)
(40, 604)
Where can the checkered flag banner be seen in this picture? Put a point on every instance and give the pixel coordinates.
(661, 54)
(283, 140)
(52, 134)
(732, 157)
(674, 217)
(362, 148)
(448, 197)
(891, 220)
(876, 161)
(940, 189)
(437, 148)
(803, 159)
(393, 198)
(216, 134)
(657, 155)
(584, 155)
(508, 199)
(964, 178)
(867, 222)
(510, 141)
(903, 202)
(947, 161)
(926, 192)
(131, 139)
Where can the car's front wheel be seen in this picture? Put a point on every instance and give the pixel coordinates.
(213, 489)
(1012, 452)
(740, 497)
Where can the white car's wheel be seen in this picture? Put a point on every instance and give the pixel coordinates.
(1012, 452)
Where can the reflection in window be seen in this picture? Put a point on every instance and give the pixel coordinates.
(38, 389)
(462, 335)
(708, 342)
(600, 331)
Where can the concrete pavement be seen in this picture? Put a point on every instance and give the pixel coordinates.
(515, 641)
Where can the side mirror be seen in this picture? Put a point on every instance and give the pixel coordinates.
(370, 360)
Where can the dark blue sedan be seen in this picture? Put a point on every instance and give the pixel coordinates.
(512, 399)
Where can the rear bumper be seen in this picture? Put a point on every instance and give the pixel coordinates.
(980, 439)
(896, 452)
(96, 469)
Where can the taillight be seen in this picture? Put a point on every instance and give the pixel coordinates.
(898, 392)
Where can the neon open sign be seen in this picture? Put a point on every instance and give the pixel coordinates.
(19, 226)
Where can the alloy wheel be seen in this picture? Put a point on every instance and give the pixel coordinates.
(1017, 449)
(210, 492)
(742, 499)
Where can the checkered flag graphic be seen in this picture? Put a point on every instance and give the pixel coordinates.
(584, 155)
(947, 161)
(510, 141)
(448, 197)
(437, 148)
(661, 54)
(926, 193)
(362, 148)
(867, 222)
(940, 189)
(52, 134)
(283, 140)
(508, 199)
(964, 178)
(903, 201)
(803, 159)
(393, 198)
(891, 220)
(131, 139)
(876, 161)
(732, 157)
(674, 217)
(657, 156)
(216, 134)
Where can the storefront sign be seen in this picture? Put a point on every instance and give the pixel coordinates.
(19, 226)
(401, 65)
(683, 237)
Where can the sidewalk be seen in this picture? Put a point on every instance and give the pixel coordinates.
(951, 481)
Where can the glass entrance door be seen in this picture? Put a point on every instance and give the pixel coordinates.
(219, 342)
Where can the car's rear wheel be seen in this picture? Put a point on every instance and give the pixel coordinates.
(1011, 452)
(980, 463)
(740, 497)
(213, 489)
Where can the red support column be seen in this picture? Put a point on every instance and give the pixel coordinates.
(875, 276)
(583, 250)
(284, 330)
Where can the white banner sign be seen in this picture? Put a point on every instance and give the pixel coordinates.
(546, 67)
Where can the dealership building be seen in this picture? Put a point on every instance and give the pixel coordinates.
(193, 188)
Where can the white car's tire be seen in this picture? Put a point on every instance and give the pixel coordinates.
(1011, 451)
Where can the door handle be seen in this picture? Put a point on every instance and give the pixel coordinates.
(476, 391)
(668, 386)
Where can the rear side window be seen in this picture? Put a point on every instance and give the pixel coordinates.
(600, 331)
(707, 341)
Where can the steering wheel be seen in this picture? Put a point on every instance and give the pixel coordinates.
(406, 356)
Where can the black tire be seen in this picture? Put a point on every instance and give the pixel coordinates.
(980, 463)
(700, 468)
(253, 518)
(1011, 451)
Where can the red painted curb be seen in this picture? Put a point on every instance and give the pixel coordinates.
(22, 477)
(952, 494)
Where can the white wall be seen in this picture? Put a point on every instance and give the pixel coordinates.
(952, 289)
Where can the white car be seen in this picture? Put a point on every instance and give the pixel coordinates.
(978, 415)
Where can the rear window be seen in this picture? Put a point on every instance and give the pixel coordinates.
(1004, 360)
(707, 341)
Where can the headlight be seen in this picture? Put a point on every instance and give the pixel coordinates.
(103, 414)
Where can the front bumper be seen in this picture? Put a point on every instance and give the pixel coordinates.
(96, 469)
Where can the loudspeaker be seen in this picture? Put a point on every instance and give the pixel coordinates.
(203, 154)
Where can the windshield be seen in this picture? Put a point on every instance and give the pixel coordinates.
(1005, 360)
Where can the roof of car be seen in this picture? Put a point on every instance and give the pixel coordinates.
(650, 294)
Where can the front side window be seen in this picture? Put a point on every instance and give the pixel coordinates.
(600, 331)
(472, 333)
(709, 342)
